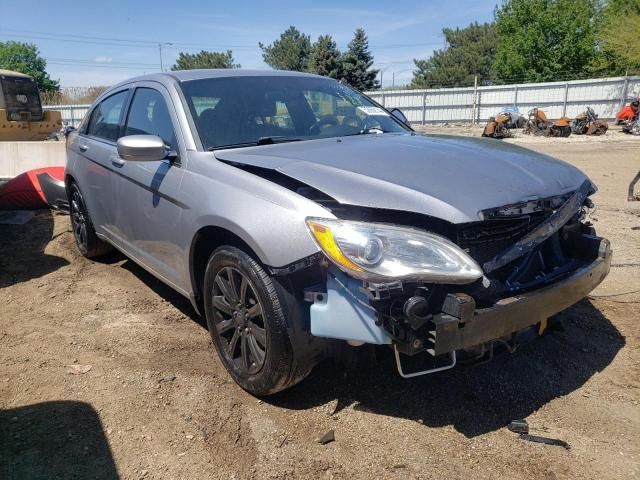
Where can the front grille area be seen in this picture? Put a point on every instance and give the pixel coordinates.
(486, 239)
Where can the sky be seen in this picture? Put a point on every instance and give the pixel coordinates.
(103, 42)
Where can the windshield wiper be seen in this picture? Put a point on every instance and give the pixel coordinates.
(368, 131)
(260, 141)
(276, 139)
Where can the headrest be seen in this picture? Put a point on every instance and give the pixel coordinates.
(266, 107)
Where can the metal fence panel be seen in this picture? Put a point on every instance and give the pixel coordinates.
(71, 114)
(604, 95)
(557, 99)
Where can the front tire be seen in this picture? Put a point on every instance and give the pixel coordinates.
(87, 241)
(247, 323)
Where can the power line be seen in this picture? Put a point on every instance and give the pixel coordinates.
(129, 42)
(109, 62)
(102, 65)
(90, 37)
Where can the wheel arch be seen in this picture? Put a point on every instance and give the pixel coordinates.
(68, 180)
(203, 243)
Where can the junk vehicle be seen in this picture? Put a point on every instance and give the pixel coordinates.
(628, 113)
(515, 119)
(538, 124)
(496, 127)
(588, 123)
(629, 118)
(631, 126)
(311, 237)
(21, 114)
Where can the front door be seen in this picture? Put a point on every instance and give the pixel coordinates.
(92, 152)
(147, 195)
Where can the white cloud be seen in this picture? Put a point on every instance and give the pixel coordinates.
(103, 59)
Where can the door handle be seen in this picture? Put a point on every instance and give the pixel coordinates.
(83, 148)
(117, 161)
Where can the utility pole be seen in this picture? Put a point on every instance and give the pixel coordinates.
(393, 80)
(160, 45)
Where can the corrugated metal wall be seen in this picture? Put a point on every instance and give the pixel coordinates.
(605, 96)
(71, 114)
(557, 99)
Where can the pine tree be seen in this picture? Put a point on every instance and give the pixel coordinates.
(469, 51)
(357, 62)
(204, 59)
(289, 52)
(325, 58)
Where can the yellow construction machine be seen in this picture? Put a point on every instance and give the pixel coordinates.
(21, 114)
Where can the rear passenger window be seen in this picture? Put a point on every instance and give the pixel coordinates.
(105, 118)
(148, 115)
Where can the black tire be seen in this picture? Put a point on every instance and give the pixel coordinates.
(87, 241)
(255, 348)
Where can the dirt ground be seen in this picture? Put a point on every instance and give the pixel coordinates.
(156, 402)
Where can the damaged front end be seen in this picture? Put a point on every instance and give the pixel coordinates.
(455, 293)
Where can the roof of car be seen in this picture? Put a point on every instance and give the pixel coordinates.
(187, 75)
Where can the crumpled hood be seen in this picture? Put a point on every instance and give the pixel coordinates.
(448, 177)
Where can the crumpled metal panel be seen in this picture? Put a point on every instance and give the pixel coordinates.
(547, 228)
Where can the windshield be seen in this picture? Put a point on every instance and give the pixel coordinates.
(21, 98)
(253, 110)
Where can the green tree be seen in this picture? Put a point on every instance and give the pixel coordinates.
(325, 58)
(357, 62)
(25, 58)
(545, 40)
(289, 52)
(468, 52)
(619, 38)
(204, 59)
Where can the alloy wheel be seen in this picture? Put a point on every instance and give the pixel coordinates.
(239, 320)
(78, 219)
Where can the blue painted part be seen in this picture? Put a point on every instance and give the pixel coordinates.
(339, 315)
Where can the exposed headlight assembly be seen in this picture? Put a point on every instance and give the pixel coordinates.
(388, 252)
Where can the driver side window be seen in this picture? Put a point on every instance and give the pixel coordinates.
(105, 118)
(149, 115)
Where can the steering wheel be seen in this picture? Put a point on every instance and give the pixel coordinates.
(353, 121)
(315, 128)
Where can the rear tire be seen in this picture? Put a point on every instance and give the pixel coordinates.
(247, 323)
(87, 241)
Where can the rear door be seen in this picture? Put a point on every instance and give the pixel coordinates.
(148, 205)
(95, 149)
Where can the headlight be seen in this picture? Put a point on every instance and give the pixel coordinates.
(370, 250)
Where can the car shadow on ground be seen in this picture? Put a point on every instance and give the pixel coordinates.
(176, 299)
(47, 440)
(474, 400)
(28, 243)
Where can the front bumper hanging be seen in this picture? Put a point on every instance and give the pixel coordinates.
(474, 327)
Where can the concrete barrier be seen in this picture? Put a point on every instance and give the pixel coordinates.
(19, 157)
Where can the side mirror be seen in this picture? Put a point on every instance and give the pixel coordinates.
(396, 112)
(142, 148)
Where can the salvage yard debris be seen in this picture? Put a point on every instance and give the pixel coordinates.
(76, 369)
(496, 127)
(545, 440)
(588, 123)
(519, 426)
(328, 437)
(538, 124)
